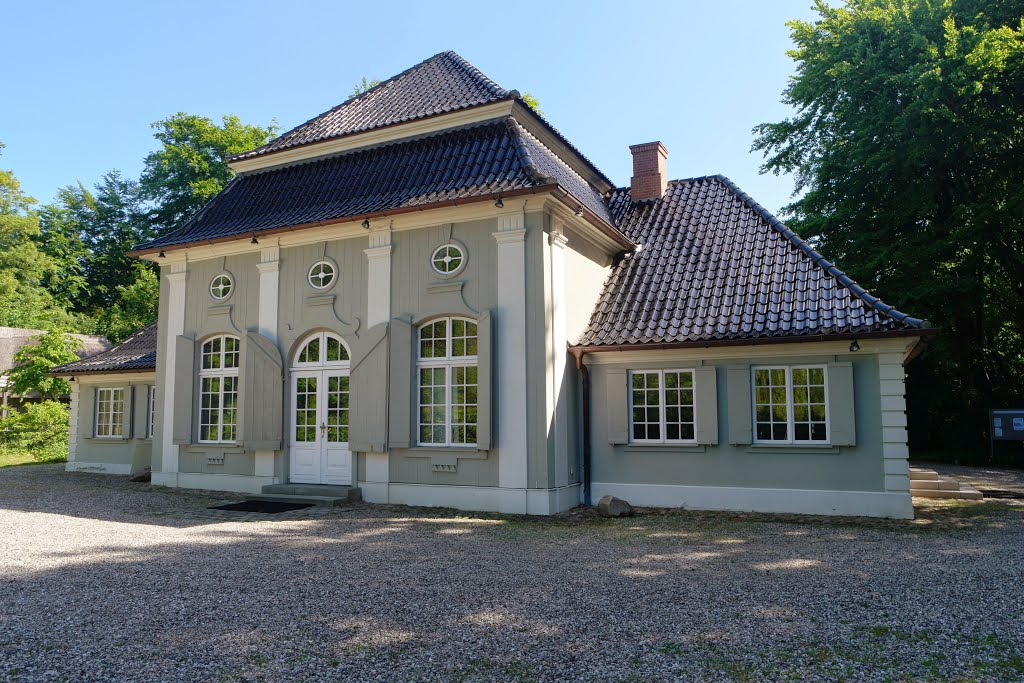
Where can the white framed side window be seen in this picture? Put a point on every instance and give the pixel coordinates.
(791, 404)
(447, 383)
(109, 418)
(661, 406)
(218, 389)
(151, 412)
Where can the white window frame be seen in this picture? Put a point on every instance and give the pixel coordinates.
(454, 271)
(790, 421)
(230, 284)
(330, 283)
(151, 412)
(222, 373)
(662, 406)
(321, 361)
(448, 362)
(110, 414)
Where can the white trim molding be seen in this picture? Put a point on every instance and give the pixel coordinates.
(98, 467)
(896, 505)
(236, 483)
(895, 452)
(378, 277)
(475, 498)
(171, 329)
(73, 424)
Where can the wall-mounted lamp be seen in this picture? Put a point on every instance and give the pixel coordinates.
(498, 203)
(366, 223)
(579, 211)
(854, 346)
(72, 379)
(254, 240)
(162, 254)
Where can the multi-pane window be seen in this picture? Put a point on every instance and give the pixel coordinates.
(662, 406)
(447, 259)
(448, 383)
(110, 413)
(218, 389)
(790, 404)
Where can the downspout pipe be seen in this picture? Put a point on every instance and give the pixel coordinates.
(584, 374)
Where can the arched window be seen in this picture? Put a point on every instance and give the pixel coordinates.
(447, 379)
(322, 349)
(218, 389)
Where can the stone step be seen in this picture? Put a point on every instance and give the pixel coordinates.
(964, 493)
(942, 484)
(322, 501)
(351, 494)
(922, 474)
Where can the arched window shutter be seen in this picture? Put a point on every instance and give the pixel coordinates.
(485, 361)
(400, 384)
(184, 383)
(261, 389)
(368, 382)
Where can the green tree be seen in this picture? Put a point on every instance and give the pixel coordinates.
(33, 363)
(532, 102)
(24, 302)
(136, 304)
(60, 238)
(189, 169)
(906, 146)
(363, 86)
(40, 429)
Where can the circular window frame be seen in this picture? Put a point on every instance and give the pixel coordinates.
(334, 280)
(231, 284)
(462, 266)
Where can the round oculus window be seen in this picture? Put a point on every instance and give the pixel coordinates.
(221, 286)
(321, 275)
(447, 259)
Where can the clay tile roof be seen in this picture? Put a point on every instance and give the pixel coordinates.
(714, 265)
(443, 83)
(486, 159)
(136, 353)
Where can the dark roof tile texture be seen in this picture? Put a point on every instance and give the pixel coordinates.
(444, 83)
(136, 353)
(714, 265)
(491, 158)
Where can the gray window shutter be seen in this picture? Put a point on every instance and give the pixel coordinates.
(740, 406)
(92, 410)
(260, 394)
(184, 381)
(130, 425)
(400, 384)
(485, 362)
(842, 419)
(705, 398)
(368, 392)
(617, 405)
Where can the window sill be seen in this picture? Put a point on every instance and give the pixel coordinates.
(661, 446)
(106, 438)
(825, 449)
(457, 451)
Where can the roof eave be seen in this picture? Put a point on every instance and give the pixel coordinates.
(583, 349)
(603, 226)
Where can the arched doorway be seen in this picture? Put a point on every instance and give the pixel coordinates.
(319, 451)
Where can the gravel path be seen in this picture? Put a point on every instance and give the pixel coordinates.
(103, 580)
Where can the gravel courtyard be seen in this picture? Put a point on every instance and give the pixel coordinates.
(104, 580)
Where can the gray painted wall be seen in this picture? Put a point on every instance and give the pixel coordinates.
(854, 468)
(135, 449)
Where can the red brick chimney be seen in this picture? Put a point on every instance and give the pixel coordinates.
(650, 177)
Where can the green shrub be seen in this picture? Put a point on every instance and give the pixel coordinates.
(40, 429)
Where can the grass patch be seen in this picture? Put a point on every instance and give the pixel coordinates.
(12, 457)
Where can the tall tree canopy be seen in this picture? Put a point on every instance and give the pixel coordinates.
(906, 147)
(24, 301)
(190, 168)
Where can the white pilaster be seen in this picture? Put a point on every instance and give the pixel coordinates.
(378, 310)
(269, 267)
(171, 328)
(378, 285)
(511, 361)
(557, 409)
(894, 423)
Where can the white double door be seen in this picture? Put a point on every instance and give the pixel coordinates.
(319, 428)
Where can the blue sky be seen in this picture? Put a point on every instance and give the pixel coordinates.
(85, 80)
